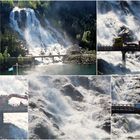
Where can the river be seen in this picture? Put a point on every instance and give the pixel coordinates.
(56, 69)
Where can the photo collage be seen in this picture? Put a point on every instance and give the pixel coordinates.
(70, 70)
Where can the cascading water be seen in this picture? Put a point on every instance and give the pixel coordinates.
(116, 18)
(69, 107)
(125, 90)
(37, 37)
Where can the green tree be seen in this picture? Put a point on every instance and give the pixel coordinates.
(86, 37)
(20, 59)
(1, 59)
(6, 55)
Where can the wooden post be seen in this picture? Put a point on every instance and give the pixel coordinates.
(1, 119)
(16, 68)
(124, 58)
(53, 58)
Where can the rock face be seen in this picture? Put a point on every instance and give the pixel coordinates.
(80, 81)
(43, 132)
(107, 126)
(74, 94)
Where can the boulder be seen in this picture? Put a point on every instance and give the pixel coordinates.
(72, 92)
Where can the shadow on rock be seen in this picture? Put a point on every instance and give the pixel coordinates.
(10, 131)
(108, 68)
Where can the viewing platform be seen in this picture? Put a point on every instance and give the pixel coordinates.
(123, 49)
(48, 56)
(126, 108)
(128, 48)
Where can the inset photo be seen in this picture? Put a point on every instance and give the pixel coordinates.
(13, 107)
(118, 37)
(125, 127)
(69, 107)
(125, 120)
(125, 89)
(48, 37)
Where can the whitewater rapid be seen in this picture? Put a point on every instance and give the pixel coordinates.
(125, 90)
(113, 19)
(69, 107)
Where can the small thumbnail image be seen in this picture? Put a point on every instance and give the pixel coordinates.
(13, 107)
(118, 37)
(125, 119)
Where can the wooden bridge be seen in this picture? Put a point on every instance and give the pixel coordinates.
(5, 107)
(123, 49)
(49, 56)
(128, 48)
(126, 108)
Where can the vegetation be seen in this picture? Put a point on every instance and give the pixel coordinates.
(76, 19)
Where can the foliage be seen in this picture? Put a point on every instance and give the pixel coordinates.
(86, 37)
(10, 43)
(8, 2)
(6, 54)
(20, 59)
(1, 58)
(77, 19)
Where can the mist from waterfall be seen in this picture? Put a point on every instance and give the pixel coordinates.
(38, 38)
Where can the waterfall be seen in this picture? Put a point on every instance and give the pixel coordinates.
(114, 17)
(38, 38)
(117, 18)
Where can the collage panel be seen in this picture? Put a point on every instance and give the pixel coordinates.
(118, 37)
(69, 107)
(48, 37)
(125, 119)
(13, 107)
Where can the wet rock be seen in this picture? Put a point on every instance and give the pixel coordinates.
(43, 132)
(107, 68)
(22, 18)
(107, 127)
(69, 90)
(32, 105)
(81, 81)
(59, 82)
(49, 115)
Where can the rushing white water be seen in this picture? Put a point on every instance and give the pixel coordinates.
(15, 124)
(125, 90)
(73, 107)
(38, 38)
(113, 19)
(112, 16)
(125, 126)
